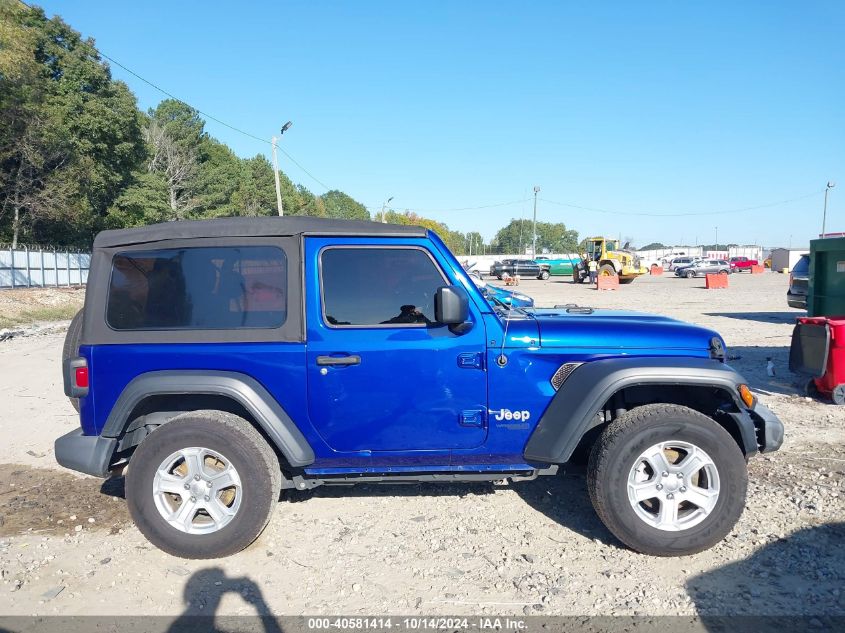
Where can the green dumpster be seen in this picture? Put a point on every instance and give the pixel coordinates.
(826, 293)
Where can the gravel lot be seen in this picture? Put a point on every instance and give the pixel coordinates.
(67, 545)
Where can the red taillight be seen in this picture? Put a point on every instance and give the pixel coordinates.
(81, 377)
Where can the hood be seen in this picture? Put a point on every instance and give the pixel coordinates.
(616, 331)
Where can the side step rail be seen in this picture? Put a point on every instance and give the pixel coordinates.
(300, 482)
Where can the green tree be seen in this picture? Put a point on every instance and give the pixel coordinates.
(340, 205)
(551, 237)
(653, 246)
(174, 132)
(71, 136)
(218, 177)
(474, 242)
(256, 191)
(453, 239)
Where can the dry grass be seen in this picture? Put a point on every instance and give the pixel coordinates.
(33, 305)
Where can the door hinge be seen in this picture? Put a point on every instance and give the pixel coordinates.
(471, 360)
(472, 417)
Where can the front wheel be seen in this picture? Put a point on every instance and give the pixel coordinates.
(689, 274)
(667, 480)
(203, 485)
(543, 275)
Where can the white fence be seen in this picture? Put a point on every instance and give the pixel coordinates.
(38, 268)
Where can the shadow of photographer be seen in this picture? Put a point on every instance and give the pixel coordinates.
(203, 594)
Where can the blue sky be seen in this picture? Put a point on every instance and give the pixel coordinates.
(647, 107)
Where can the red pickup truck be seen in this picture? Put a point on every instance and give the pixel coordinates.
(742, 263)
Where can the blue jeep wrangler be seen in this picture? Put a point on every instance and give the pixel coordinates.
(219, 362)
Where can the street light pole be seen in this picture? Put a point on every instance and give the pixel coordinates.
(534, 241)
(383, 212)
(285, 127)
(830, 185)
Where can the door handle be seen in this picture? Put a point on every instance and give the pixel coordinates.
(338, 360)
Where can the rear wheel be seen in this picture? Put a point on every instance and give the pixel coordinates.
(667, 480)
(203, 485)
(626, 280)
(723, 272)
(70, 349)
(606, 270)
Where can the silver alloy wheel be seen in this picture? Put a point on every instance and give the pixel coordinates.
(197, 490)
(673, 486)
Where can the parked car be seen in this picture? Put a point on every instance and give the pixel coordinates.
(799, 284)
(218, 362)
(563, 266)
(739, 264)
(522, 267)
(704, 267)
(679, 262)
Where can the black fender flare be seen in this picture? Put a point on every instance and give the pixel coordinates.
(572, 411)
(243, 389)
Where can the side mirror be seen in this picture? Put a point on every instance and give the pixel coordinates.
(451, 307)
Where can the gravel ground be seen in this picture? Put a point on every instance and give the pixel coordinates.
(67, 545)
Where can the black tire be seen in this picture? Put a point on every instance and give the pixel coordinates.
(249, 454)
(606, 270)
(626, 280)
(70, 349)
(615, 453)
(544, 274)
(689, 274)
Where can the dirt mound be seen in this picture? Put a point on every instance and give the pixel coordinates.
(42, 501)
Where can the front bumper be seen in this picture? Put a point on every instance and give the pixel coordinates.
(89, 454)
(760, 430)
(769, 428)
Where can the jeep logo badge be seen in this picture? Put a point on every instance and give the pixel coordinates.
(507, 414)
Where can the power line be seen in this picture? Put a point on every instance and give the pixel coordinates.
(423, 210)
(616, 212)
(483, 206)
(205, 114)
(674, 215)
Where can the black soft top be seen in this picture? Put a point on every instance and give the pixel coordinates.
(252, 227)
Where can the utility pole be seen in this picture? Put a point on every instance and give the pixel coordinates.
(534, 241)
(830, 185)
(717, 238)
(383, 212)
(285, 127)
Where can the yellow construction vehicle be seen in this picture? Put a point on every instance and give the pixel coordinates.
(611, 260)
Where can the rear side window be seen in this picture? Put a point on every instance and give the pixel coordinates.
(802, 267)
(391, 287)
(210, 288)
